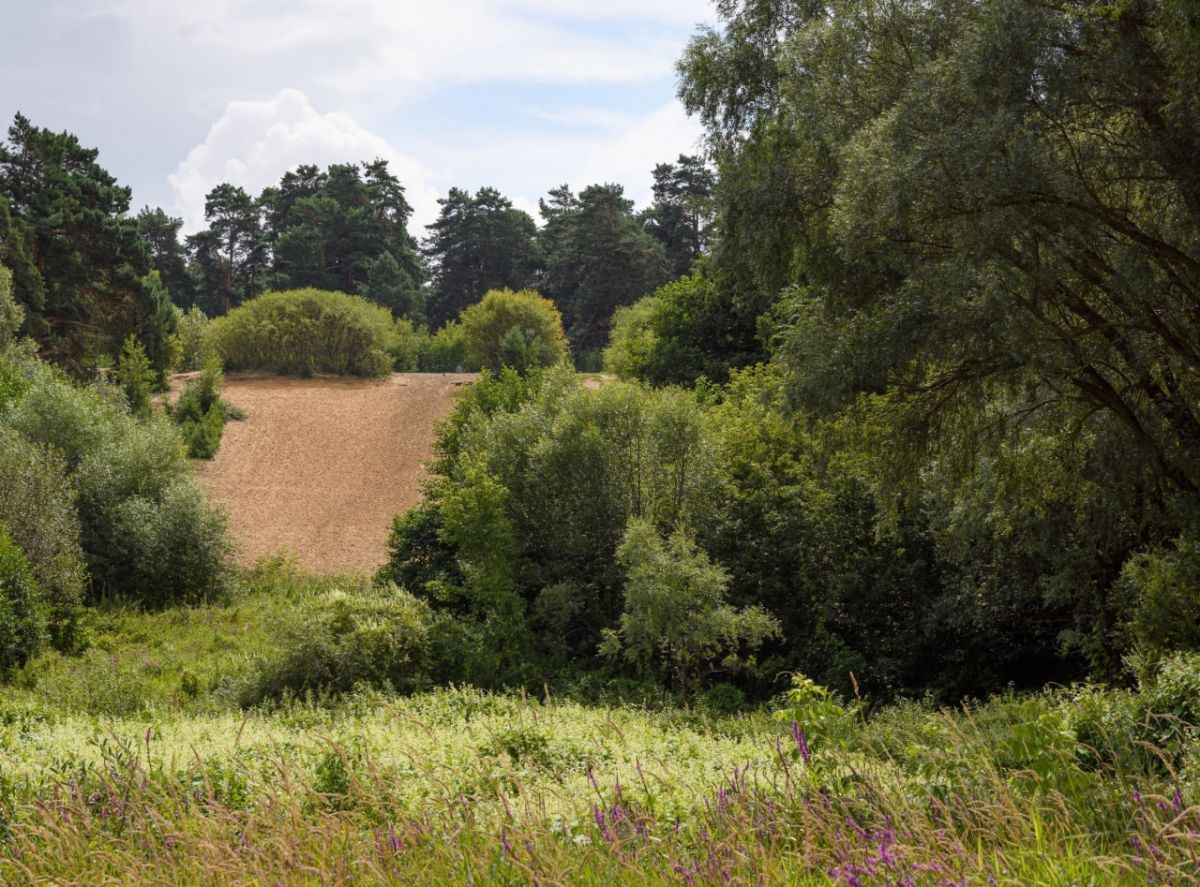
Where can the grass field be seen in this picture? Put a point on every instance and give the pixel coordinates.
(135, 765)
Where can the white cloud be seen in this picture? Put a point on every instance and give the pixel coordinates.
(524, 167)
(255, 142)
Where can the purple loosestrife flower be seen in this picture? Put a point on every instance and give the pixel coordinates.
(504, 843)
(801, 742)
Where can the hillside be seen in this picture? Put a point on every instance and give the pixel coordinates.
(322, 465)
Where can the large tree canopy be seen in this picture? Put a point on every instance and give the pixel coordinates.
(479, 243)
(989, 207)
(598, 259)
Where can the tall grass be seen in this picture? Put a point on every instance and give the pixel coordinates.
(135, 765)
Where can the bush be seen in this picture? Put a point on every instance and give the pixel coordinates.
(191, 339)
(145, 527)
(306, 331)
(200, 413)
(515, 329)
(408, 345)
(135, 376)
(446, 351)
(12, 315)
(338, 639)
(169, 548)
(22, 626)
(38, 509)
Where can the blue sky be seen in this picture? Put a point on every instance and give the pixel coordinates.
(180, 95)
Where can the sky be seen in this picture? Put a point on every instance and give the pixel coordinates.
(522, 95)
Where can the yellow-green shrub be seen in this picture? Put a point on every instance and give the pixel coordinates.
(306, 331)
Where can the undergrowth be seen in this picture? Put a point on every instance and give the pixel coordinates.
(140, 762)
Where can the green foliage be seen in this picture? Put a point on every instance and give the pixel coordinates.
(679, 334)
(409, 345)
(1166, 615)
(160, 233)
(817, 713)
(200, 412)
(134, 375)
(598, 259)
(681, 216)
(675, 609)
(22, 623)
(306, 331)
(146, 530)
(12, 315)
(516, 329)
(446, 351)
(38, 509)
(538, 479)
(392, 287)
(81, 272)
(478, 243)
(338, 640)
(192, 340)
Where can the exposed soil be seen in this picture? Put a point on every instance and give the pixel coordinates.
(320, 466)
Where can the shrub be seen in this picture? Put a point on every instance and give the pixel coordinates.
(446, 351)
(192, 340)
(135, 376)
(145, 527)
(38, 509)
(170, 548)
(516, 329)
(407, 346)
(338, 639)
(200, 413)
(1166, 615)
(22, 626)
(12, 315)
(306, 331)
(675, 609)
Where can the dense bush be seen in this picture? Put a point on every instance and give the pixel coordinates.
(192, 344)
(146, 530)
(135, 377)
(12, 315)
(22, 623)
(514, 329)
(446, 351)
(306, 331)
(339, 639)
(38, 508)
(680, 333)
(200, 412)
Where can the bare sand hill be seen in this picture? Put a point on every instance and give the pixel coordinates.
(322, 465)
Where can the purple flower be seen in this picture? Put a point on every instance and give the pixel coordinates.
(801, 742)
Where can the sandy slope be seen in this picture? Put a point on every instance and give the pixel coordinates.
(321, 465)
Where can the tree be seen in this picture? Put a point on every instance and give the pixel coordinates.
(521, 330)
(328, 229)
(135, 376)
(79, 267)
(990, 203)
(478, 243)
(389, 286)
(168, 257)
(232, 253)
(675, 609)
(598, 259)
(681, 216)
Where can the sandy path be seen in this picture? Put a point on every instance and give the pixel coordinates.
(321, 466)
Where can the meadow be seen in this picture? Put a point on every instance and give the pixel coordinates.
(135, 764)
